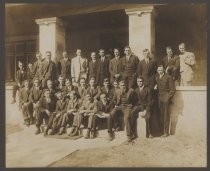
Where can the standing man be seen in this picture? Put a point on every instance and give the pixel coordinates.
(103, 68)
(124, 100)
(187, 62)
(93, 66)
(21, 76)
(65, 66)
(48, 69)
(147, 69)
(30, 74)
(37, 65)
(115, 66)
(166, 90)
(79, 67)
(129, 67)
(171, 64)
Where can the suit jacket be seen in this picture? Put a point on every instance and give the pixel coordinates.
(35, 94)
(30, 74)
(21, 76)
(95, 93)
(73, 104)
(173, 66)
(67, 90)
(102, 71)
(76, 68)
(61, 106)
(115, 67)
(24, 95)
(166, 87)
(65, 68)
(43, 105)
(37, 68)
(109, 94)
(130, 94)
(144, 99)
(129, 68)
(92, 69)
(81, 92)
(104, 108)
(48, 70)
(148, 72)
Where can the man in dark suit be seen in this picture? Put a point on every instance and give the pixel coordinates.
(69, 87)
(129, 67)
(104, 108)
(147, 69)
(48, 69)
(65, 65)
(25, 103)
(82, 89)
(115, 66)
(21, 76)
(93, 64)
(35, 95)
(55, 119)
(45, 110)
(144, 105)
(30, 74)
(37, 66)
(166, 90)
(102, 69)
(171, 64)
(124, 100)
(61, 84)
(93, 89)
(106, 89)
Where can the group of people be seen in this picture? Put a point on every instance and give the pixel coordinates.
(80, 92)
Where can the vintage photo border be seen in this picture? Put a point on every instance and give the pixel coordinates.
(2, 76)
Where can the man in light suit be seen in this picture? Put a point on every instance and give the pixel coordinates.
(79, 67)
(147, 69)
(115, 66)
(48, 69)
(187, 62)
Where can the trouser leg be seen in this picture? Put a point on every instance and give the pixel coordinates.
(90, 121)
(111, 119)
(14, 91)
(127, 118)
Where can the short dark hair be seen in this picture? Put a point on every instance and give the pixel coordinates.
(168, 47)
(127, 47)
(140, 77)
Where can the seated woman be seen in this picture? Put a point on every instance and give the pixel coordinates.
(87, 110)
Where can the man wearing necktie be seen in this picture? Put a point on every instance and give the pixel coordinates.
(92, 71)
(129, 67)
(102, 68)
(171, 64)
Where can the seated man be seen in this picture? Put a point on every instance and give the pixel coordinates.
(25, 103)
(72, 109)
(51, 87)
(86, 111)
(45, 109)
(104, 108)
(56, 118)
(124, 100)
(69, 87)
(35, 95)
(93, 89)
(82, 89)
(106, 89)
(144, 105)
(61, 84)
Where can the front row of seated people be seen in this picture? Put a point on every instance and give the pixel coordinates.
(71, 106)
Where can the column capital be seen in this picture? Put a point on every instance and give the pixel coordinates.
(47, 21)
(139, 11)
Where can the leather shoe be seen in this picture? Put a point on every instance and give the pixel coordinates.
(38, 131)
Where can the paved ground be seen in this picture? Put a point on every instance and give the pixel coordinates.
(24, 149)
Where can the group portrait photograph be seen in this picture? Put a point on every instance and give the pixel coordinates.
(105, 85)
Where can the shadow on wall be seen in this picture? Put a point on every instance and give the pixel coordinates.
(176, 109)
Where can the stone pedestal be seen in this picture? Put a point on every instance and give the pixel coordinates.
(51, 36)
(141, 30)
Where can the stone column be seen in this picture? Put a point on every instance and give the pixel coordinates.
(141, 29)
(51, 36)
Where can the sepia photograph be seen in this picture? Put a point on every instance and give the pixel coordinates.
(105, 85)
